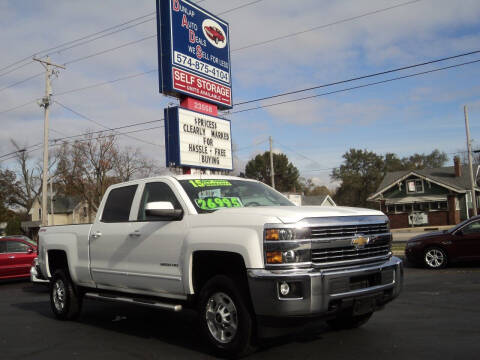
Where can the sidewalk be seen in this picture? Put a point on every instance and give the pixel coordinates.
(421, 229)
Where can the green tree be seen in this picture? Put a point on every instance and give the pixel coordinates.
(286, 174)
(359, 176)
(362, 171)
(14, 226)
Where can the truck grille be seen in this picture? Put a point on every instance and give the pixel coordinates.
(348, 253)
(325, 232)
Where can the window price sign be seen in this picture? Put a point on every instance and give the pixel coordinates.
(193, 53)
(198, 140)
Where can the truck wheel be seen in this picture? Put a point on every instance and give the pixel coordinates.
(226, 323)
(435, 258)
(64, 301)
(348, 321)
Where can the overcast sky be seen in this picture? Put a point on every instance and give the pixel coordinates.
(417, 114)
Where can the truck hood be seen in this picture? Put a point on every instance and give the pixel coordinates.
(293, 214)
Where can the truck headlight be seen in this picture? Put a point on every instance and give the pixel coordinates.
(287, 246)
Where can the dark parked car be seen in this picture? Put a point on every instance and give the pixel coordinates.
(436, 249)
(16, 257)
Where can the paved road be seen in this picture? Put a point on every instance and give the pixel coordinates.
(437, 316)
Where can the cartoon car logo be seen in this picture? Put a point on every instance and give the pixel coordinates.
(214, 33)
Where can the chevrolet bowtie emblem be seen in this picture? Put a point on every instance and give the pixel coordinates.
(360, 241)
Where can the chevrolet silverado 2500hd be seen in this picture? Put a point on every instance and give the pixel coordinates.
(235, 249)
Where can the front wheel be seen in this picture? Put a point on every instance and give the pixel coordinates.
(435, 258)
(226, 322)
(64, 300)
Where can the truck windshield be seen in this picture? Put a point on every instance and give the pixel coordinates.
(212, 194)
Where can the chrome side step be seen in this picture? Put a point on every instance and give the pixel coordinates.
(136, 301)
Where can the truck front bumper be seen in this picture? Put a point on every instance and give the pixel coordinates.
(320, 292)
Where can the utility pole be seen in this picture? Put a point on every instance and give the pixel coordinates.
(272, 170)
(51, 201)
(469, 149)
(45, 103)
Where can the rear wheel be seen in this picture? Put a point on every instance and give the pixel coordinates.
(64, 300)
(349, 321)
(226, 322)
(435, 258)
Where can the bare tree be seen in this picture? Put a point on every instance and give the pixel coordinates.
(88, 167)
(129, 164)
(29, 184)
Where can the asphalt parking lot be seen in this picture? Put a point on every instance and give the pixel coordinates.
(437, 316)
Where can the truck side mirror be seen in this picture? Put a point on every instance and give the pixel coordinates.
(163, 210)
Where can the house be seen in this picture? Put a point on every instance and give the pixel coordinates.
(66, 210)
(320, 200)
(302, 200)
(428, 197)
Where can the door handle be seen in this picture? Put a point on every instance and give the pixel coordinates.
(11, 257)
(96, 235)
(135, 234)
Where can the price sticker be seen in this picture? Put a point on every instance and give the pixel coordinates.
(212, 203)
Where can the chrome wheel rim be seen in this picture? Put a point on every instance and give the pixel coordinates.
(434, 258)
(221, 317)
(58, 293)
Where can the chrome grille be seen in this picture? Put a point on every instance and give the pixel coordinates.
(348, 253)
(325, 232)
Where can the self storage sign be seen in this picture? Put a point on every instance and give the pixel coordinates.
(198, 140)
(193, 53)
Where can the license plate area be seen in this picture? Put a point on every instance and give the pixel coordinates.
(364, 305)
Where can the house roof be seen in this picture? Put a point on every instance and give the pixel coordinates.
(316, 200)
(444, 176)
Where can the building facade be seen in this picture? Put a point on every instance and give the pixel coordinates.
(428, 197)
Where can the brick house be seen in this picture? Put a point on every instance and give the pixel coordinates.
(428, 197)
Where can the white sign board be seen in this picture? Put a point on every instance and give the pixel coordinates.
(418, 219)
(203, 141)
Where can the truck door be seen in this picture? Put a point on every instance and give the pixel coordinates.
(155, 245)
(110, 241)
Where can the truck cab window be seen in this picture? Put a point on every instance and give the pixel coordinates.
(156, 191)
(118, 204)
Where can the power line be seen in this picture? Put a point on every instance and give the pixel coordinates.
(58, 141)
(325, 25)
(361, 77)
(296, 152)
(100, 124)
(21, 81)
(58, 47)
(239, 7)
(356, 87)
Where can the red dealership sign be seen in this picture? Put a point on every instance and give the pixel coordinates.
(201, 87)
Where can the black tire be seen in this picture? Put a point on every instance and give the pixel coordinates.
(65, 302)
(435, 258)
(220, 305)
(349, 321)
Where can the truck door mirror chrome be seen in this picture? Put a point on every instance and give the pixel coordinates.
(163, 210)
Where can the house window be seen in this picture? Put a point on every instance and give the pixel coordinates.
(391, 209)
(408, 208)
(84, 211)
(40, 214)
(415, 186)
(399, 208)
(443, 205)
(419, 207)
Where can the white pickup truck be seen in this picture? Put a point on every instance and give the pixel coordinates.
(235, 249)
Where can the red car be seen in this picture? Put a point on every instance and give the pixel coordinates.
(214, 34)
(436, 249)
(16, 257)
